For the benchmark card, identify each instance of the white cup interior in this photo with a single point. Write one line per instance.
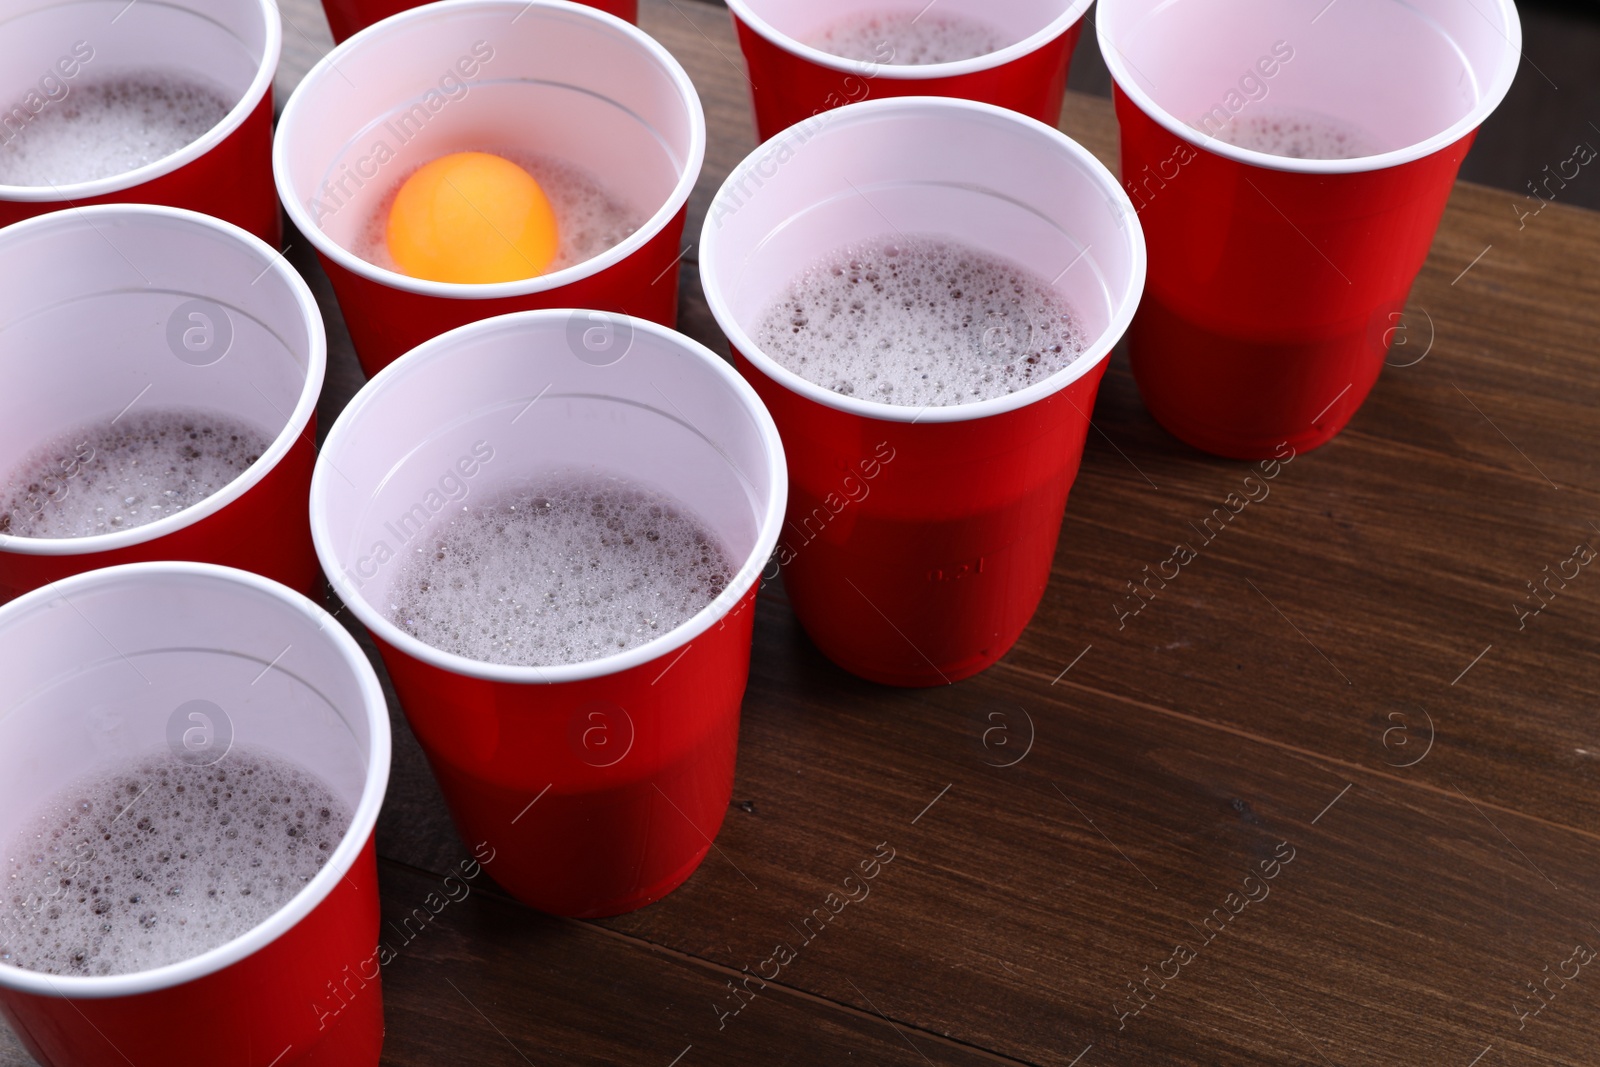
(95, 299)
(997, 181)
(667, 415)
(229, 45)
(801, 22)
(578, 85)
(102, 668)
(1398, 73)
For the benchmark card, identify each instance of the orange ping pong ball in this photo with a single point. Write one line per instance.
(472, 217)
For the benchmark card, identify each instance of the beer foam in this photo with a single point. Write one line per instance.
(589, 219)
(162, 860)
(562, 569)
(920, 321)
(108, 476)
(1299, 135)
(907, 38)
(104, 128)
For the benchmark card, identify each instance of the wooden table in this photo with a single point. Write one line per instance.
(1341, 677)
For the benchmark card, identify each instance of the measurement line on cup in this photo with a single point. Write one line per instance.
(702, 833)
(1474, 263)
(531, 803)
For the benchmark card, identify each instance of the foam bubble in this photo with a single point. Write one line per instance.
(588, 218)
(160, 861)
(920, 321)
(104, 128)
(105, 476)
(564, 569)
(1299, 135)
(906, 38)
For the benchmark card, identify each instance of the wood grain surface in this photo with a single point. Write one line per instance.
(1338, 690)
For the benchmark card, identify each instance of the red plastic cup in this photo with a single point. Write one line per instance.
(598, 786)
(552, 77)
(791, 80)
(108, 666)
(119, 308)
(48, 50)
(1276, 283)
(919, 542)
(346, 18)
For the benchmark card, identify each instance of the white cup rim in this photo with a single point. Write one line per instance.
(445, 9)
(1074, 10)
(1093, 355)
(344, 855)
(324, 482)
(260, 85)
(1121, 73)
(299, 418)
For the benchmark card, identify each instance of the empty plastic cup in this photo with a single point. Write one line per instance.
(1290, 163)
(919, 540)
(205, 665)
(1023, 66)
(549, 78)
(119, 312)
(56, 56)
(598, 785)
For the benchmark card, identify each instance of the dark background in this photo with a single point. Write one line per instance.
(1549, 110)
